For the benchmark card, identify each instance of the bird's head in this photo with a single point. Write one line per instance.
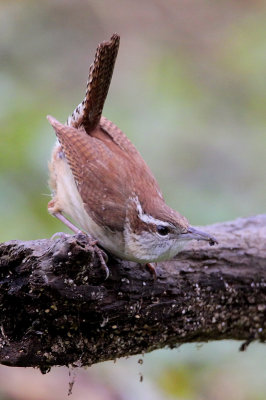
(158, 235)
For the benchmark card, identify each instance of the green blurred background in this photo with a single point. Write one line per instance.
(189, 90)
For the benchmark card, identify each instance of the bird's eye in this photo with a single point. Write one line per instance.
(162, 230)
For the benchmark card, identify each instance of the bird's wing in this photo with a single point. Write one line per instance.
(143, 183)
(117, 136)
(102, 177)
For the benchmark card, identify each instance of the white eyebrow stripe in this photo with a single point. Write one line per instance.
(146, 217)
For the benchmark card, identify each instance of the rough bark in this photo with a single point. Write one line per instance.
(56, 309)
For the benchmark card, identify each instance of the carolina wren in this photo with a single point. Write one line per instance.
(101, 182)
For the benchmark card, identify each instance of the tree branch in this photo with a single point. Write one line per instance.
(56, 309)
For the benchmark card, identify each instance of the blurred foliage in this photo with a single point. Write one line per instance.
(189, 90)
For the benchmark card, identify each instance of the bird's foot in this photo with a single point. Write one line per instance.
(60, 235)
(103, 258)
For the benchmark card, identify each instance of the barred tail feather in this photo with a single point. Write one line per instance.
(89, 111)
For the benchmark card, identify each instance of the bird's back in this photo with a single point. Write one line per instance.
(112, 171)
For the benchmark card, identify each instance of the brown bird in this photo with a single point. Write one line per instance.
(101, 182)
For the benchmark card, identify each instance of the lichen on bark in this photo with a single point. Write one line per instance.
(57, 309)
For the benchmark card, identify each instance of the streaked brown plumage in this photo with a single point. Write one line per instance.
(100, 180)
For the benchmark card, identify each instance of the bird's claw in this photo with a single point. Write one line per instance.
(60, 235)
(103, 260)
(151, 268)
(93, 243)
(100, 253)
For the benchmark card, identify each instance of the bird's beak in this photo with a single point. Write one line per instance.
(196, 234)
